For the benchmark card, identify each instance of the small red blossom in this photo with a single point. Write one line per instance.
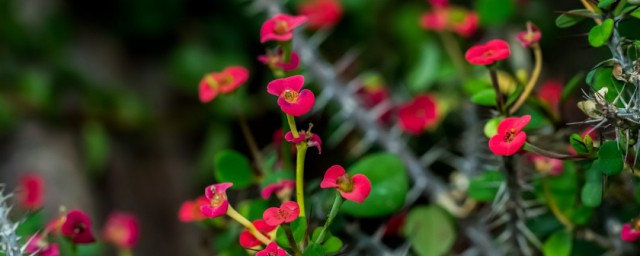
(487, 54)
(247, 240)
(439, 3)
(529, 37)
(418, 114)
(280, 27)
(550, 93)
(223, 82)
(276, 61)
(122, 229)
(355, 188)
(292, 100)
(631, 232)
(467, 25)
(217, 196)
(31, 191)
(321, 13)
(272, 250)
(546, 165)
(450, 18)
(77, 226)
(281, 188)
(510, 137)
(288, 212)
(38, 246)
(190, 210)
(313, 140)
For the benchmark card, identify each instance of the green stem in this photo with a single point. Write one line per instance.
(537, 54)
(286, 51)
(536, 150)
(453, 49)
(496, 87)
(74, 249)
(251, 142)
(332, 214)
(125, 252)
(292, 241)
(247, 224)
(302, 151)
(292, 126)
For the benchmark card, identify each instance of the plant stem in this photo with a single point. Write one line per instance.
(590, 8)
(453, 49)
(247, 224)
(302, 151)
(74, 249)
(286, 51)
(554, 206)
(496, 87)
(251, 142)
(125, 252)
(536, 150)
(537, 53)
(332, 214)
(292, 241)
(292, 126)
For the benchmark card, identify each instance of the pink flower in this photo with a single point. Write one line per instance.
(247, 240)
(312, 140)
(280, 27)
(546, 165)
(223, 82)
(272, 250)
(122, 229)
(529, 37)
(282, 188)
(550, 93)
(450, 18)
(217, 196)
(630, 233)
(190, 210)
(435, 20)
(355, 188)
(288, 212)
(77, 226)
(39, 246)
(439, 3)
(321, 13)
(418, 114)
(31, 191)
(510, 137)
(487, 54)
(276, 61)
(467, 25)
(291, 99)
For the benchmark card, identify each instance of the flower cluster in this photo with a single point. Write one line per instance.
(445, 17)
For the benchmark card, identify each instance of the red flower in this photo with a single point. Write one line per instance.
(487, 54)
(312, 140)
(550, 93)
(292, 101)
(450, 18)
(122, 229)
(217, 196)
(280, 27)
(288, 212)
(546, 165)
(467, 25)
(282, 188)
(435, 20)
(276, 61)
(510, 137)
(272, 250)
(247, 240)
(190, 210)
(630, 233)
(321, 13)
(223, 82)
(39, 246)
(77, 226)
(355, 188)
(418, 114)
(529, 37)
(31, 191)
(439, 3)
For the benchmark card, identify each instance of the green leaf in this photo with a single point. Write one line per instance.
(96, 147)
(609, 160)
(231, 166)
(473, 86)
(253, 209)
(572, 17)
(599, 34)
(564, 188)
(578, 144)
(425, 71)
(592, 189)
(606, 3)
(430, 231)
(494, 12)
(389, 185)
(491, 127)
(484, 188)
(314, 250)
(486, 97)
(298, 228)
(559, 244)
(331, 244)
(573, 83)
(636, 13)
(602, 77)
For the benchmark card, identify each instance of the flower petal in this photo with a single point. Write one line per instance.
(305, 102)
(278, 86)
(239, 76)
(361, 189)
(289, 137)
(330, 179)
(206, 92)
(499, 146)
(628, 234)
(292, 208)
(214, 212)
(271, 216)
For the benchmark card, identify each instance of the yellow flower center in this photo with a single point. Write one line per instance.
(281, 27)
(290, 96)
(345, 183)
(510, 135)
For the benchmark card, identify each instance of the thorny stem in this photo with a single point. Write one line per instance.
(537, 53)
(513, 190)
(554, 206)
(453, 49)
(290, 239)
(247, 224)
(496, 87)
(538, 151)
(251, 142)
(332, 215)
(590, 8)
